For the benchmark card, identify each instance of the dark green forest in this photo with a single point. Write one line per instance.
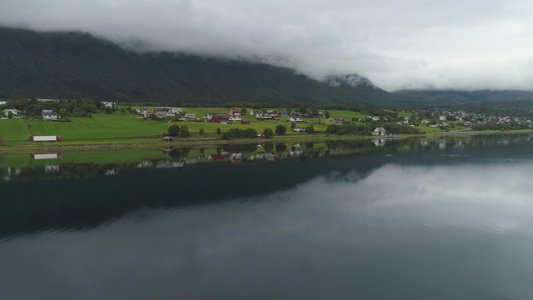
(69, 65)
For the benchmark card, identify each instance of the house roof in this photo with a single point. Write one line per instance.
(220, 116)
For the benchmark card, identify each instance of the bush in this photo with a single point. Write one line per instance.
(280, 147)
(184, 131)
(268, 133)
(281, 130)
(310, 129)
(268, 147)
(173, 130)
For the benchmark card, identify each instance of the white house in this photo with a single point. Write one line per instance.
(161, 114)
(176, 110)
(263, 116)
(442, 118)
(110, 104)
(379, 131)
(141, 110)
(3, 102)
(49, 115)
(147, 113)
(190, 117)
(12, 110)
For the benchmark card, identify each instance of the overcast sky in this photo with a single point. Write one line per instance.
(415, 44)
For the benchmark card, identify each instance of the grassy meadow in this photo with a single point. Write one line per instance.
(14, 130)
(100, 126)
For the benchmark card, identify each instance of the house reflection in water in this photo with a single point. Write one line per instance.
(379, 142)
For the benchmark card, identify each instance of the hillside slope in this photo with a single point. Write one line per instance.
(74, 65)
(455, 97)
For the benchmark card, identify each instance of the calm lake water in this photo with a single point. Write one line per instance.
(448, 218)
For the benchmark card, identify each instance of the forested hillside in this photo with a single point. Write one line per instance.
(77, 65)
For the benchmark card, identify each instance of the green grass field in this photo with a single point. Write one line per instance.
(14, 130)
(100, 126)
(347, 115)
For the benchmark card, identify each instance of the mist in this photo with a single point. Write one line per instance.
(468, 45)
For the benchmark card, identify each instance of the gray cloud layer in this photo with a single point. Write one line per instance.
(468, 44)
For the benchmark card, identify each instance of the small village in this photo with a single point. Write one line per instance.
(383, 122)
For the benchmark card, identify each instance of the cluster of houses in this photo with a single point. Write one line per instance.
(234, 115)
(165, 112)
(48, 114)
(470, 118)
(295, 116)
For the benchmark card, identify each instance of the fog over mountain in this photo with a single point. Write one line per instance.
(469, 44)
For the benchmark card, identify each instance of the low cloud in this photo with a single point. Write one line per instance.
(468, 44)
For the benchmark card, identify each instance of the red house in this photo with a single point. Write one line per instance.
(235, 112)
(319, 115)
(272, 113)
(217, 118)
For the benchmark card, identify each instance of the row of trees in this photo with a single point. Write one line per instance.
(236, 133)
(183, 131)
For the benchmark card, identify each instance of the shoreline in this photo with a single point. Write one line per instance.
(156, 144)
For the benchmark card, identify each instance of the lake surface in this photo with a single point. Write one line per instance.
(446, 218)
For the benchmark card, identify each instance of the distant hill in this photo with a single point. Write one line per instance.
(454, 97)
(75, 65)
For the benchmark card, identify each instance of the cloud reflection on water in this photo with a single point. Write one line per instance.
(418, 224)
